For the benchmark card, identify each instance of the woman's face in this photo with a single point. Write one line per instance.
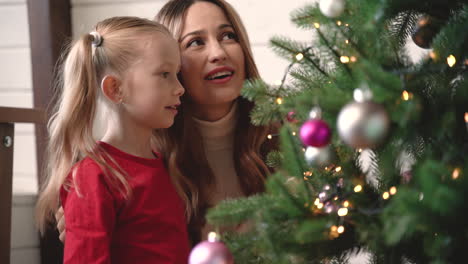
(213, 68)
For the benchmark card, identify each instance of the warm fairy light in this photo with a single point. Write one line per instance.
(405, 95)
(353, 59)
(269, 136)
(342, 211)
(340, 229)
(433, 55)
(279, 100)
(303, 149)
(456, 173)
(317, 201)
(316, 25)
(393, 190)
(358, 188)
(359, 150)
(212, 237)
(338, 169)
(346, 41)
(451, 60)
(346, 204)
(466, 117)
(466, 62)
(307, 173)
(299, 56)
(344, 59)
(293, 133)
(333, 228)
(338, 23)
(336, 198)
(385, 195)
(347, 24)
(320, 205)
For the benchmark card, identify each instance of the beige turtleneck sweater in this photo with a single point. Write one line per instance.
(218, 141)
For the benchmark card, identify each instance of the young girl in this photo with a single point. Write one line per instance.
(118, 198)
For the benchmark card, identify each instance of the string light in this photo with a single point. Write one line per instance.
(357, 188)
(347, 25)
(279, 100)
(336, 198)
(299, 56)
(269, 136)
(338, 23)
(342, 211)
(353, 59)
(393, 190)
(405, 95)
(456, 173)
(340, 229)
(466, 117)
(293, 133)
(316, 25)
(320, 205)
(385, 195)
(317, 201)
(344, 59)
(359, 150)
(338, 169)
(307, 173)
(346, 41)
(451, 60)
(333, 228)
(433, 55)
(345, 203)
(421, 196)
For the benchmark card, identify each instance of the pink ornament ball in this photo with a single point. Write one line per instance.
(211, 253)
(291, 117)
(315, 133)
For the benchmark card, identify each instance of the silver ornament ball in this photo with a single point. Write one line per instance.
(363, 125)
(319, 157)
(332, 8)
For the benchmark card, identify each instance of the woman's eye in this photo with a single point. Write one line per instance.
(194, 43)
(165, 74)
(229, 35)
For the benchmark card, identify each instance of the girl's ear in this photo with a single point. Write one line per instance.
(110, 86)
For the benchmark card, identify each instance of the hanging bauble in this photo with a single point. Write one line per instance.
(291, 117)
(332, 8)
(320, 157)
(426, 29)
(211, 252)
(363, 124)
(315, 133)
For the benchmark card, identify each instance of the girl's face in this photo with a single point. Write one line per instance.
(150, 85)
(213, 68)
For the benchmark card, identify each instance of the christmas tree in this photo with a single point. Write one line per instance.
(373, 145)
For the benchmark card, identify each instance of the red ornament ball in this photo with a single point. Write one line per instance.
(291, 117)
(207, 252)
(315, 133)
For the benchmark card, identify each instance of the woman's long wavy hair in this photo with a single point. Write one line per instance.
(182, 143)
(78, 94)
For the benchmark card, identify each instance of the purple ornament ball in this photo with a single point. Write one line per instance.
(211, 253)
(315, 133)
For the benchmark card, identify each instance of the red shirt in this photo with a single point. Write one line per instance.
(103, 227)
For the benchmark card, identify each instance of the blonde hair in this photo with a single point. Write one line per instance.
(182, 144)
(70, 127)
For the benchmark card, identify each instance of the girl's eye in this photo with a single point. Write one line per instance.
(229, 35)
(165, 74)
(194, 43)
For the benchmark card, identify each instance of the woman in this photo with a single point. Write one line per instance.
(213, 152)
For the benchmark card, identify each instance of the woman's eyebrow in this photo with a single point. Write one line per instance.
(199, 32)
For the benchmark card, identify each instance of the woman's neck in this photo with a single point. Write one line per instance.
(211, 112)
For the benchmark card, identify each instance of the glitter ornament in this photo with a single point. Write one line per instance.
(332, 8)
(315, 133)
(211, 252)
(363, 125)
(291, 117)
